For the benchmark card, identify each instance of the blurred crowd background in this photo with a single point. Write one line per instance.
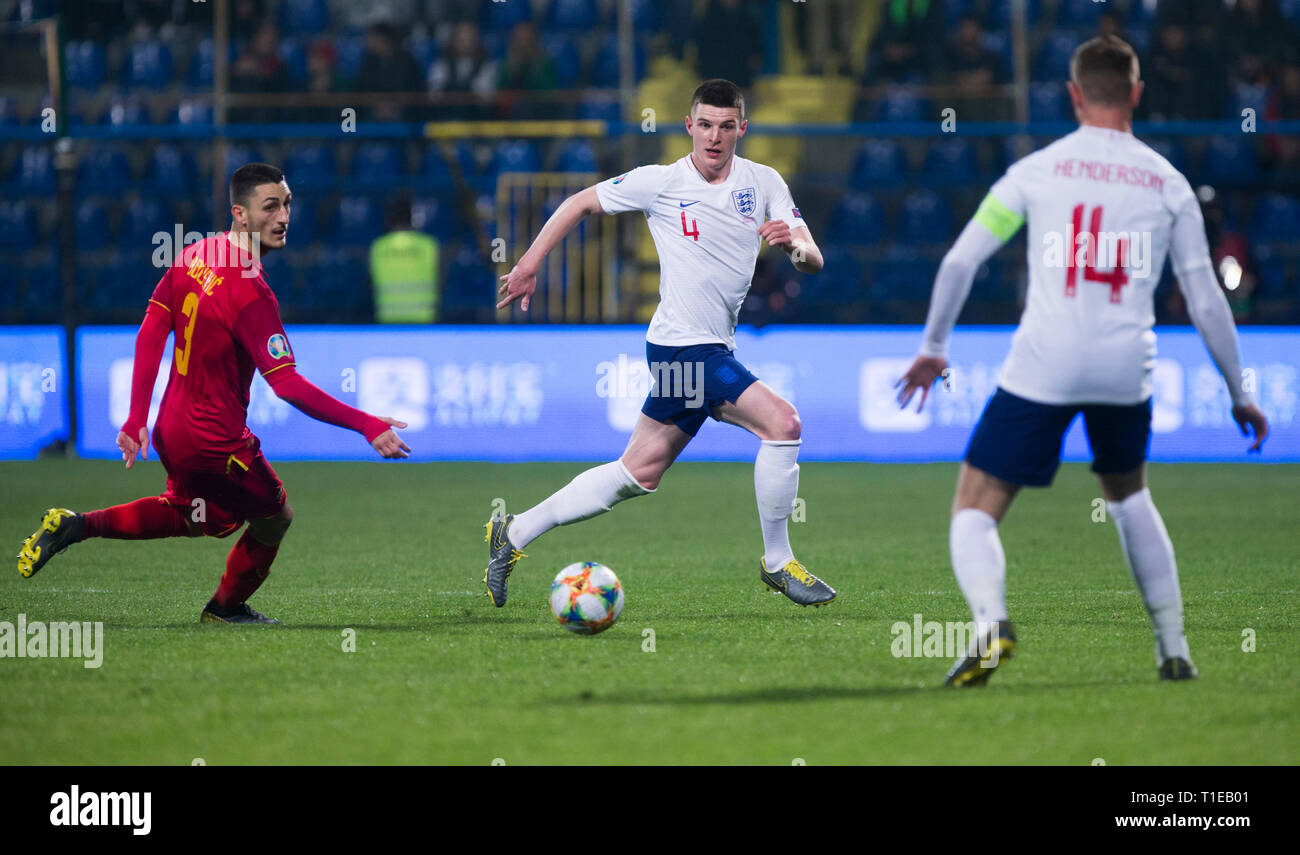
(884, 191)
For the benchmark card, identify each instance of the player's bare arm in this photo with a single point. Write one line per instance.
(521, 281)
(796, 243)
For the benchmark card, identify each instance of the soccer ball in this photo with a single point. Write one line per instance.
(586, 597)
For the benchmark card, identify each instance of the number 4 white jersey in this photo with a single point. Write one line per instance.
(1103, 211)
(707, 239)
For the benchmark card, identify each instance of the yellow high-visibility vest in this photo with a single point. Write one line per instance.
(404, 272)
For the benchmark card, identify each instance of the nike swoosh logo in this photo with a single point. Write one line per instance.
(688, 204)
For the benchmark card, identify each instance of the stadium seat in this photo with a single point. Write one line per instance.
(202, 65)
(1142, 11)
(17, 224)
(564, 54)
(1276, 217)
(145, 217)
(351, 48)
(925, 218)
(605, 68)
(901, 105)
(515, 156)
(1230, 159)
(127, 111)
(294, 56)
(191, 111)
(148, 65)
(858, 220)
(434, 170)
(1080, 14)
(577, 156)
(103, 171)
(310, 165)
(92, 226)
(469, 289)
(169, 172)
(1048, 102)
(302, 222)
(573, 14)
(1290, 10)
(998, 43)
(880, 163)
(999, 16)
(502, 16)
(1053, 63)
(237, 156)
(605, 111)
(433, 215)
(379, 163)
(85, 64)
(1171, 150)
(304, 17)
(951, 161)
(43, 301)
(424, 51)
(904, 275)
(33, 171)
(645, 15)
(1248, 95)
(340, 286)
(840, 282)
(358, 222)
(1275, 278)
(8, 112)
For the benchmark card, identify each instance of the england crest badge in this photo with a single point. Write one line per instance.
(745, 201)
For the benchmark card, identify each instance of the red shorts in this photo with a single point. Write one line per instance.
(221, 500)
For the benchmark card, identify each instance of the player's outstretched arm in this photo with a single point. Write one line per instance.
(796, 243)
(292, 387)
(521, 281)
(952, 286)
(133, 438)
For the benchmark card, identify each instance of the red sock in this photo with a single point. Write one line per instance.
(246, 569)
(142, 519)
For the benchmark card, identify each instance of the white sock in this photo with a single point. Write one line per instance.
(979, 563)
(589, 494)
(1150, 557)
(776, 484)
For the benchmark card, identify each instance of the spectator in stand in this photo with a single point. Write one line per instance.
(729, 41)
(1284, 104)
(465, 71)
(246, 16)
(909, 45)
(528, 68)
(1258, 38)
(386, 67)
(971, 70)
(259, 69)
(1176, 83)
(320, 81)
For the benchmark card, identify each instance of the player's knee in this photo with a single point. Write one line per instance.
(788, 426)
(272, 529)
(646, 473)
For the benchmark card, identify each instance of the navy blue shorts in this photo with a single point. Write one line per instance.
(1020, 441)
(689, 381)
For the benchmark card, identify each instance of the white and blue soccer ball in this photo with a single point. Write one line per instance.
(586, 597)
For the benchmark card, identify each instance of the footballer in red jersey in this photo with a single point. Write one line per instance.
(226, 321)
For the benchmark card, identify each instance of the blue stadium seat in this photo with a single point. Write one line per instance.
(434, 169)
(1081, 14)
(169, 172)
(145, 217)
(310, 165)
(43, 302)
(1290, 10)
(33, 171)
(925, 218)
(578, 156)
(302, 222)
(358, 222)
(85, 64)
(1248, 95)
(294, 56)
(605, 111)
(573, 14)
(1048, 102)
(1230, 159)
(1053, 62)
(645, 15)
(379, 163)
(564, 54)
(424, 51)
(127, 111)
(999, 16)
(1142, 11)
(304, 17)
(192, 111)
(103, 171)
(8, 112)
(605, 68)
(840, 281)
(340, 284)
(858, 220)
(237, 156)
(904, 275)
(998, 43)
(148, 65)
(901, 105)
(1171, 150)
(951, 160)
(17, 224)
(1276, 217)
(470, 286)
(515, 156)
(351, 49)
(502, 16)
(92, 226)
(203, 63)
(1275, 279)
(880, 163)
(434, 215)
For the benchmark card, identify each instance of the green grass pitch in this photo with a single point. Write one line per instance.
(738, 675)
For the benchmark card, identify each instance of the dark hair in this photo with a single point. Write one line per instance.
(249, 176)
(1105, 68)
(719, 93)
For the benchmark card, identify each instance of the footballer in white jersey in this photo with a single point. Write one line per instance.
(709, 214)
(1103, 211)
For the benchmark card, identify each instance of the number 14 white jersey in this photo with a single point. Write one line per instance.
(1103, 211)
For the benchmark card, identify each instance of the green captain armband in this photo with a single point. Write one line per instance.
(998, 218)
